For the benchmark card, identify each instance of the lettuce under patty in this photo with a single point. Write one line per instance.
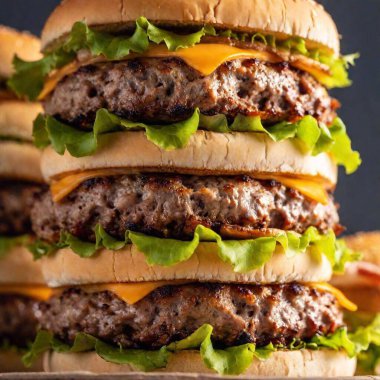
(7, 243)
(229, 361)
(29, 77)
(242, 255)
(312, 137)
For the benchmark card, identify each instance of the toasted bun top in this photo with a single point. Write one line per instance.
(12, 42)
(207, 153)
(302, 18)
(65, 268)
(300, 363)
(16, 118)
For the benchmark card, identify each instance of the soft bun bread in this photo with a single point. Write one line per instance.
(17, 267)
(10, 361)
(303, 363)
(20, 161)
(65, 268)
(16, 118)
(207, 153)
(12, 42)
(284, 18)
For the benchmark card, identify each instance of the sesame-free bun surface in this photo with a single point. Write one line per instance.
(20, 161)
(207, 153)
(16, 118)
(65, 268)
(284, 18)
(302, 363)
(17, 267)
(12, 42)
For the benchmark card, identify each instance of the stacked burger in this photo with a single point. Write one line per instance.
(191, 150)
(21, 281)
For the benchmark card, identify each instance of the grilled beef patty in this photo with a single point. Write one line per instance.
(167, 90)
(239, 314)
(16, 200)
(172, 206)
(18, 322)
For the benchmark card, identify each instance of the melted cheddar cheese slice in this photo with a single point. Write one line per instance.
(315, 190)
(134, 292)
(341, 298)
(205, 58)
(37, 292)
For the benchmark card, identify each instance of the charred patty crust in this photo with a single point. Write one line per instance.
(164, 90)
(173, 205)
(239, 314)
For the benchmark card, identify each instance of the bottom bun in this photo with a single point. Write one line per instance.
(18, 267)
(303, 363)
(10, 361)
(65, 268)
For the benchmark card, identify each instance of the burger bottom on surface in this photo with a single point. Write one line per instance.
(18, 323)
(173, 205)
(260, 314)
(16, 201)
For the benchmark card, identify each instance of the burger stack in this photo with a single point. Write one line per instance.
(191, 150)
(21, 281)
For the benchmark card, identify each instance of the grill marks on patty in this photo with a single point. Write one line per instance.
(239, 314)
(18, 321)
(173, 205)
(16, 201)
(167, 90)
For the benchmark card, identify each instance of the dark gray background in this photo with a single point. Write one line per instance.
(358, 22)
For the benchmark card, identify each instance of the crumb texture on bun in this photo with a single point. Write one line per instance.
(16, 118)
(65, 268)
(17, 267)
(302, 363)
(12, 42)
(20, 161)
(302, 18)
(207, 153)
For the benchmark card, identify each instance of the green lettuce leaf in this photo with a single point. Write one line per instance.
(367, 342)
(229, 361)
(311, 137)
(7, 243)
(242, 255)
(29, 77)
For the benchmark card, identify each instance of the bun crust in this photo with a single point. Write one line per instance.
(366, 298)
(284, 18)
(18, 267)
(303, 363)
(12, 42)
(10, 361)
(207, 153)
(20, 161)
(16, 118)
(65, 268)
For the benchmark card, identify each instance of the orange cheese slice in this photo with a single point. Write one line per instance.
(38, 292)
(342, 299)
(205, 58)
(131, 292)
(134, 292)
(313, 189)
